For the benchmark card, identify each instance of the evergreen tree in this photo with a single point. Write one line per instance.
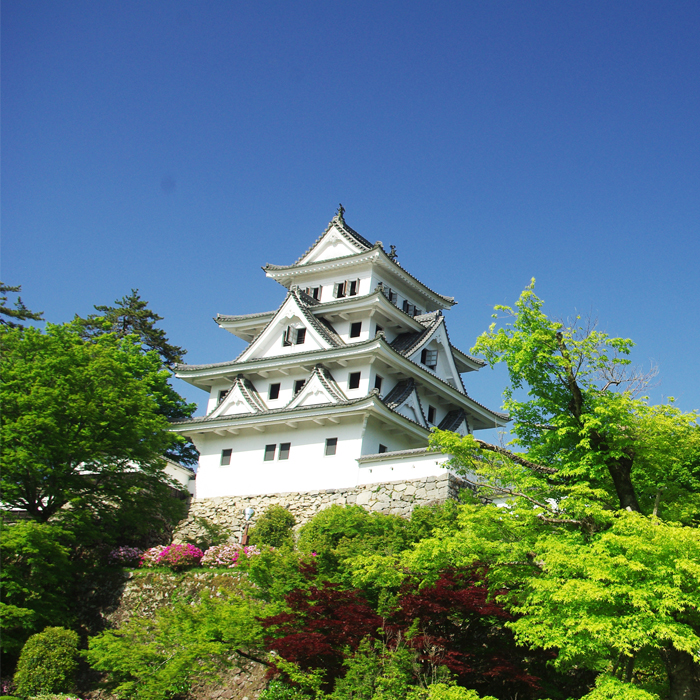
(131, 315)
(20, 311)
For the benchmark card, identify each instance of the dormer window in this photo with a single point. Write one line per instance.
(429, 358)
(293, 336)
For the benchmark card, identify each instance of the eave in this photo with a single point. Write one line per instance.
(287, 275)
(205, 376)
(321, 414)
(464, 362)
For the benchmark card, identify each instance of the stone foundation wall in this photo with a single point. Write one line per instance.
(398, 497)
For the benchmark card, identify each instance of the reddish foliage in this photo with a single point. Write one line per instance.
(453, 623)
(460, 627)
(325, 621)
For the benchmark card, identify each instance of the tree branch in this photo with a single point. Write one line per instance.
(539, 468)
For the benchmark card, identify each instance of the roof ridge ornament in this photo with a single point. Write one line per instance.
(340, 214)
(392, 253)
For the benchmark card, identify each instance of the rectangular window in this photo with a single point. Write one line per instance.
(378, 330)
(429, 358)
(298, 385)
(274, 392)
(226, 457)
(270, 452)
(354, 380)
(222, 394)
(378, 383)
(314, 292)
(331, 444)
(339, 290)
(355, 329)
(431, 415)
(353, 287)
(287, 337)
(392, 295)
(301, 336)
(382, 449)
(284, 450)
(409, 308)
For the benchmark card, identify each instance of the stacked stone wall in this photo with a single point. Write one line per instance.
(397, 497)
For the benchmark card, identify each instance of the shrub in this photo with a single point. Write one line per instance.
(125, 556)
(178, 556)
(227, 555)
(151, 557)
(48, 662)
(274, 527)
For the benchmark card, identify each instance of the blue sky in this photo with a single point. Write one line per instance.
(177, 146)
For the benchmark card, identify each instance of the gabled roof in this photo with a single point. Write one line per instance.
(320, 380)
(453, 420)
(401, 395)
(324, 329)
(349, 233)
(244, 390)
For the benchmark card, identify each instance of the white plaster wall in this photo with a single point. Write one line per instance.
(327, 280)
(376, 434)
(306, 469)
(405, 468)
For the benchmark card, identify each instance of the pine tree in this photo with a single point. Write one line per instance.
(20, 312)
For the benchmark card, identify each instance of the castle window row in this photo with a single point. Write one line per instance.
(347, 288)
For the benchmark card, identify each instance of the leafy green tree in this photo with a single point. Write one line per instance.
(37, 581)
(48, 663)
(274, 528)
(130, 316)
(190, 640)
(572, 537)
(10, 316)
(80, 421)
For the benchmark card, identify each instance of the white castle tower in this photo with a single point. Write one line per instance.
(338, 387)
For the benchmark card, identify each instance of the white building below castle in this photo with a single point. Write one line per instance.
(338, 387)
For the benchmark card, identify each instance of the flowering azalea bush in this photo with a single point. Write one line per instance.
(151, 557)
(125, 556)
(227, 555)
(179, 555)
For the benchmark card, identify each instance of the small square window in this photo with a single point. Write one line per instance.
(331, 444)
(431, 415)
(274, 391)
(222, 394)
(339, 290)
(298, 385)
(354, 380)
(226, 457)
(284, 450)
(301, 336)
(429, 358)
(270, 452)
(355, 329)
(378, 330)
(378, 382)
(353, 288)
(382, 449)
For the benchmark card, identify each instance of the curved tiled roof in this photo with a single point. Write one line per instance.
(349, 233)
(453, 420)
(239, 317)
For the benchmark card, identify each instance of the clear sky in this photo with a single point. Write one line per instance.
(175, 147)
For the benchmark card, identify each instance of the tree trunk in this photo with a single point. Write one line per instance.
(683, 674)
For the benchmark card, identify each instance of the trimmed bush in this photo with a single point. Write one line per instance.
(179, 556)
(227, 555)
(48, 662)
(273, 528)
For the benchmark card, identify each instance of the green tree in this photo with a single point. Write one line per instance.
(606, 586)
(10, 316)
(37, 581)
(80, 421)
(131, 317)
(274, 528)
(48, 663)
